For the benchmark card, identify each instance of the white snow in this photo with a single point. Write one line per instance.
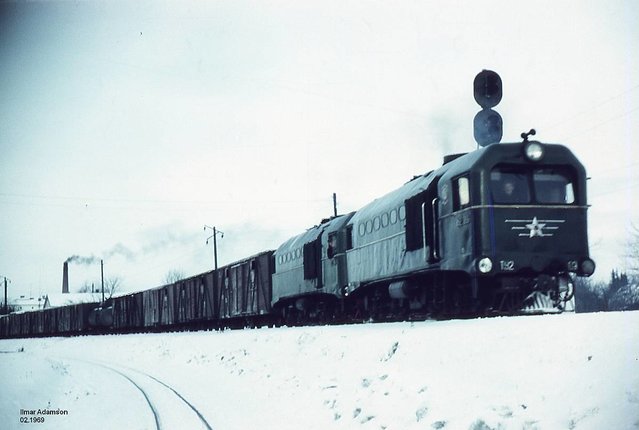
(570, 371)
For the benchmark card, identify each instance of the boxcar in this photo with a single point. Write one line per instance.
(128, 312)
(25, 323)
(46, 322)
(4, 326)
(62, 320)
(79, 317)
(244, 288)
(151, 304)
(71, 319)
(159, 306)
(195, 300)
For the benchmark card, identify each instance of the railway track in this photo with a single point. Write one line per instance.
(170, 409)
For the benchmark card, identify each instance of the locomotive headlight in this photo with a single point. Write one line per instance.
(588, 267)
(534, 151)
(485, 265)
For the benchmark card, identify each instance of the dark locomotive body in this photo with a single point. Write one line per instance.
(500, 229)
(310, 272)
(521, 229)
(454, 242)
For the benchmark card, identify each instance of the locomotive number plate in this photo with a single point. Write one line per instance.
(507, 265)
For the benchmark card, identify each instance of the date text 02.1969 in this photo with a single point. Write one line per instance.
(37, 416)
(31, 420)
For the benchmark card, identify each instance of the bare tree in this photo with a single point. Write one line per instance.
(588, 295)
(87, 288)
(632, 250)
(620, 293)
(173, 276)
(111, 286)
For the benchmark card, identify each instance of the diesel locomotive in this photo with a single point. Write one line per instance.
(498, 230)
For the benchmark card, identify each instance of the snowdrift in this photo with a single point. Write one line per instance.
(571, 371)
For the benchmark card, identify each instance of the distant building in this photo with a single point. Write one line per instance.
(58, 299)
(24, 304)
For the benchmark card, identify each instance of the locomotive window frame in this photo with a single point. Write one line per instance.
(377, 222)
(530, 185)
(510, 185)
(369, 226)
(393, 216)
(559, 186)
(331, 245)
(361, 229)
(461, 195)
(385, 219)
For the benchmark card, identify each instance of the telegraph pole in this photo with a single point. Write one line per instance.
(6, 305)
(214, 237)
(215, 248)
(102, 276)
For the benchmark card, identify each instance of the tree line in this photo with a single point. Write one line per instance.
(621, 292)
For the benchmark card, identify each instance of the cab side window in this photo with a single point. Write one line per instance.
(461, 194)
(331, 247)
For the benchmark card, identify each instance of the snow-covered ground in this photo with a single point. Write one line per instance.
(538, 372)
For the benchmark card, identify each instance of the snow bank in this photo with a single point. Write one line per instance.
(538, 372)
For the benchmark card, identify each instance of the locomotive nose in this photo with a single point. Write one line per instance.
(538, 264)
(546, 264)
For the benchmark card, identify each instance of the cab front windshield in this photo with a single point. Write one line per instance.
(511, 185)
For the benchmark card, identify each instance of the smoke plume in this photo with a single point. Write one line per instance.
(79, 259)
(157, 243)
(118, 249)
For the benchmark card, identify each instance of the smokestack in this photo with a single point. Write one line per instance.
(65, 278)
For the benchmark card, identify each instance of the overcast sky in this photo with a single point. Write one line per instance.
(125, 127)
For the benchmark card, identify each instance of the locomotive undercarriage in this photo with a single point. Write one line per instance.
(541, 293)
(432, 296)
(455, 294)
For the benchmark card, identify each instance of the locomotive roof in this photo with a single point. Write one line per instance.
(513, 152)
(477, 159)
(396, 197)
(312, 233)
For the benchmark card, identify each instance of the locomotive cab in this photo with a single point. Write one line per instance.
(310, 271)
(513, 217)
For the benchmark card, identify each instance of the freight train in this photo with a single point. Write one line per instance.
(497, 230)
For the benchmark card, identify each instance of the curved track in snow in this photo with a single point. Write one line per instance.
(171, 410)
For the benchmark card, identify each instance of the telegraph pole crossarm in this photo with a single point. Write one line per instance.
(214, 237)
